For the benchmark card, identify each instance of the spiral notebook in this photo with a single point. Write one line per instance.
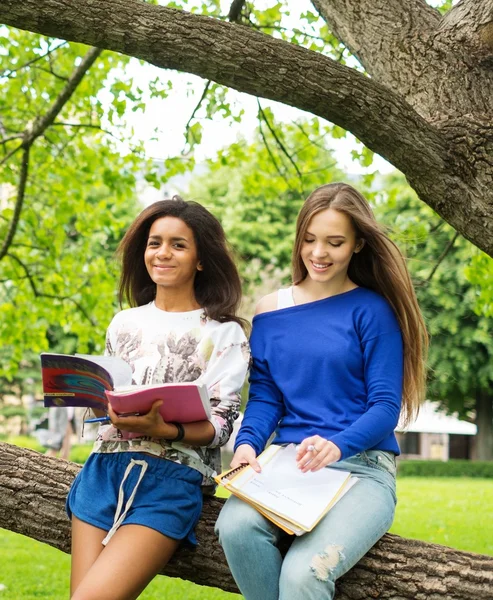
(293, 500)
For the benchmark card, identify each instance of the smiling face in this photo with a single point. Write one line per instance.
(171, 254)
(328, 246)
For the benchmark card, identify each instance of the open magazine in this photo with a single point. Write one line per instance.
(90, 381)
(293, 500)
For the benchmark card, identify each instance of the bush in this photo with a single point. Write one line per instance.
(80, 453)
(25, 441)
(451, 468)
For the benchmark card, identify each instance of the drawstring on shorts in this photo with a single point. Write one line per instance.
(119, 515)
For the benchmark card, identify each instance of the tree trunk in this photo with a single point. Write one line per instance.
(484, 422)
(33, 488)
(427, 107)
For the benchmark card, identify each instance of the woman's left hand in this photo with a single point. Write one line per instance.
(150, 424)
(315, 453)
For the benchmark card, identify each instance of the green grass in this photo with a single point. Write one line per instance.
(32, 570)
(453, 512)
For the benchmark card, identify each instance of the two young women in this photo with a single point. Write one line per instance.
(333, 357)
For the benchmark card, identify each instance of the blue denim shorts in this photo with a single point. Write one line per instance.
(168, 498)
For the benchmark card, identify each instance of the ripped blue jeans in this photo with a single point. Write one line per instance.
(315, 560)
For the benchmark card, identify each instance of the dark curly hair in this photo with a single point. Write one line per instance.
(217, 286)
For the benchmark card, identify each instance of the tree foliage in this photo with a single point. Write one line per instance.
(66, 195)
(419, 93)
(256, 189)
(449, 276)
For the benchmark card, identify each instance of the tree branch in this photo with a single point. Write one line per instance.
(21, 190)
(84, 126)
(235, 9)
(471, 23)
(271, 155)
(280, 144)
(441, 258)
(375, 31)
(48, 118)
(398, 42)
(198, 105)
(441, 169)
(245, 60)
(52, 72)
(35, 130)
(9, 138)
(10, 72)
(33, 489)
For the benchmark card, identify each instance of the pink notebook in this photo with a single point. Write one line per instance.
(182, 402)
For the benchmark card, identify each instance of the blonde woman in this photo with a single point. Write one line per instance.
(337, 358)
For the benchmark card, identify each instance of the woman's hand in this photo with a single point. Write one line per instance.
(245, 454)
(315, 453)
(150, 424)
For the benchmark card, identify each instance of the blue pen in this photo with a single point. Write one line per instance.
(98, 420)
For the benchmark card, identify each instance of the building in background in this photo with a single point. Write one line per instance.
(437, 436)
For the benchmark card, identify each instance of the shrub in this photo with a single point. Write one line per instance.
(451, 468)
(80, 453)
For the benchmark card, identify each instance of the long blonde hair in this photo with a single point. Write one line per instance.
(379, 266)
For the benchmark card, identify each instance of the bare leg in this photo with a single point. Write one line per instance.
(133, 556)
(86, 547)
(67, 442)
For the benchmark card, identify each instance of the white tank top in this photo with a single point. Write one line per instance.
(285, 298)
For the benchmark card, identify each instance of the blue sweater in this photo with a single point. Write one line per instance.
(332, 367)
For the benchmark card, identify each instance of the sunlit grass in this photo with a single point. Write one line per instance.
(454, 512)
(31, 570)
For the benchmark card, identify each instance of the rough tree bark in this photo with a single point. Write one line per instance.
(484, 421)
(33, 488)
(427, 108)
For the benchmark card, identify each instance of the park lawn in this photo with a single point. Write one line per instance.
(453, 512)
(31, 570)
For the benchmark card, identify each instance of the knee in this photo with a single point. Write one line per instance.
(228, 523)
(311, 577)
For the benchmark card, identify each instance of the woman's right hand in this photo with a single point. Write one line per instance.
(245, 454)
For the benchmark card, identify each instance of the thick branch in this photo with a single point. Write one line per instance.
(245, 60)
(32, 497)
(471, 23)
(399, 43)
(450, 181)
(374, 30)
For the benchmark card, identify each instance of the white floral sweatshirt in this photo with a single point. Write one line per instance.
(164, 347)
